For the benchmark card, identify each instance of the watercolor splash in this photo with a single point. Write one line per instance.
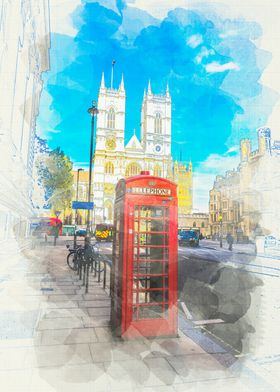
(213, 67)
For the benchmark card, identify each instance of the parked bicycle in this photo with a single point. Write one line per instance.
(79, 257)
(72, 258)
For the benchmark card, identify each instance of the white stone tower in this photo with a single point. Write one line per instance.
(156, 124)
(111, 116)
(109, 148)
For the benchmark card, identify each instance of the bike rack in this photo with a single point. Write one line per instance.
(89, 260)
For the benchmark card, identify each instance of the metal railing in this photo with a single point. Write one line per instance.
(90, 260)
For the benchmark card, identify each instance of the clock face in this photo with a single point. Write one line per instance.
(110, 143)
(158, 148)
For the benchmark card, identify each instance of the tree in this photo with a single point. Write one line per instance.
(41, 151)
(55, 174)
(41, 145)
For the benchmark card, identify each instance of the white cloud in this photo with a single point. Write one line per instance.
(220, 163)
(202, 183)
(204, 53)
(266, 13)
(216, 67)
(233, 149)
(205, 173)
(60, 15)
(194, 40)
(83, 165)
(229, 33)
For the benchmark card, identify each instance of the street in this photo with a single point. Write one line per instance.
(229, 294)
(216, 286)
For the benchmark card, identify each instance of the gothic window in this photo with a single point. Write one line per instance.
(109, 168)
(157, 171)
(194, 224)
(133, 169)
(158, 123)
(111, 118)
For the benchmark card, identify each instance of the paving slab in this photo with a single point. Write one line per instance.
(68, 336)
(71, 378)
(132, 374)
(57, 355)
(198, 367)
(60, 305)
(96, 321)
(59, 313)
(99, 311)
(65, 297)
(71, 346)
(94, 304)
(104, 334)
(162, 369)
(60, 323)
(174, 346)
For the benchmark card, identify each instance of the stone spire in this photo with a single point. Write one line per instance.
(167, 91)
(149, 88)
(121, 88)
(102, 85)
(145, 93)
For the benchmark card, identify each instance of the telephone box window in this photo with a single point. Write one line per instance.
(151, 257)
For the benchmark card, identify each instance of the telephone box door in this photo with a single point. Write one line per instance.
(151, 264)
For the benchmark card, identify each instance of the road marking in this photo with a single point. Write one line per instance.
(185, 257)
(186, 311)
(211, 321)
(256, 265)
(269, 359)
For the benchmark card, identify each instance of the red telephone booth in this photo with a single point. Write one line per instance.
(144, 269)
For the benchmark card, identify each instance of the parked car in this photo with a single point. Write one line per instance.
(81, 232)
(42, 232)
(104, 232)
(271, 241)
(188, 237)
(68, 230)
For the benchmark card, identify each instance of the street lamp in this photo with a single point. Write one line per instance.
(93, 112)
(77, 199)
(220, 219)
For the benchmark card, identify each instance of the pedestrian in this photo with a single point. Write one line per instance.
(229, 239)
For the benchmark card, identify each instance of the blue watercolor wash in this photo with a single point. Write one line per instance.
(211, 110)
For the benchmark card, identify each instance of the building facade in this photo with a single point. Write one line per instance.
(24, 55)
(244, 201)
(81, 194)
(114, 159)
(224, 206)
(198, 220)
(182, 175)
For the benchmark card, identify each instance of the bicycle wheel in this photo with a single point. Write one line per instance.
(99, 263)
(72, 260)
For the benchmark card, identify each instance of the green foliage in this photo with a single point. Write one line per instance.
(55, 174)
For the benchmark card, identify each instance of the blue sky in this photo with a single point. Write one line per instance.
(213, 66)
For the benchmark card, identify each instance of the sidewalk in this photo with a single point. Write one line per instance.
(237, 248)
(53, 337)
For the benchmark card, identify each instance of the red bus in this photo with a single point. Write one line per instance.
(47, 226)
